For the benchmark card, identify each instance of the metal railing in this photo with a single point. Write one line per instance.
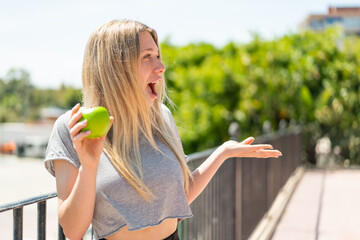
(17, 209)
(230, 206)
(242, 190)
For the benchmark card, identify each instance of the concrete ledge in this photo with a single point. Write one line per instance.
(268, 223)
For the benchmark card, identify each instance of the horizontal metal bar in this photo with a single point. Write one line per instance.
(260, 139)
(28, 201)
(200, 155)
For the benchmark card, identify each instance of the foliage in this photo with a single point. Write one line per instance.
(20, 101)
(312, 78)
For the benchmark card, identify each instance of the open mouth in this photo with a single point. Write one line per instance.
(151, 89)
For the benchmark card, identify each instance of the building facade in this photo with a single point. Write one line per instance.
(347, 17)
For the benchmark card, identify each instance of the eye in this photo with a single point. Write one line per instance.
(147, 56)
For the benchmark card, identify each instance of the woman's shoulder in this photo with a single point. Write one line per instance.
(166, 113)
(165, 109)
(63, 120)
(60, 144)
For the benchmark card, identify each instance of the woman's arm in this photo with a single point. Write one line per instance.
(204, 173)
(76, 188)
(76, 197)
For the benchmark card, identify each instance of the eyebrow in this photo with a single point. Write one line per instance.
(149, 49)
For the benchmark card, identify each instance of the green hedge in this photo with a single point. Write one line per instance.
(312, 78)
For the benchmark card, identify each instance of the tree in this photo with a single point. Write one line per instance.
(20, 101)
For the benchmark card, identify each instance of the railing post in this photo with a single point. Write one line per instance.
(282, 125)
(41, 218)
(234, 133)
(266, 127)
(238, 198)
(18, 223)
(17, 208)
(61, 235)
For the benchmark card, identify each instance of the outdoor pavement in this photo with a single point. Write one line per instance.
(324, 206)
(23, 178)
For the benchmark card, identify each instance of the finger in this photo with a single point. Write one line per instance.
(111, 121)
(262, 146)
(75, 109)
(268, 153)
(77, 128)
(248, 141)
(75, 119)
(81, 136)
(278, 152)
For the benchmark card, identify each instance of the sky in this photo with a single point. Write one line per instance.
(48, 38)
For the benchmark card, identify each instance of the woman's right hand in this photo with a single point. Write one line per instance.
(88, 150)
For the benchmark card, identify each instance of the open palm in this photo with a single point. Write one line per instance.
(245, 149)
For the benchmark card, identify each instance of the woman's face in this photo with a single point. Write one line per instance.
(151, 68)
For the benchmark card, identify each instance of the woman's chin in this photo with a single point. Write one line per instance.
(151, 98)
(150, 102)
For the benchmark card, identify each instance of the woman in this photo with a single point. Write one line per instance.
(134, 183)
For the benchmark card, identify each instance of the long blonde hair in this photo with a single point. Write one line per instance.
(110, 78)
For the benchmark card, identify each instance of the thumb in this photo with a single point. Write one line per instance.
(248, 141)
(111, 121)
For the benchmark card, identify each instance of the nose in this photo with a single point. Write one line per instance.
(160, 68)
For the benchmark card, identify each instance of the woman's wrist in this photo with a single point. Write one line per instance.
(221, 153)
(225, 150)
(88, 168)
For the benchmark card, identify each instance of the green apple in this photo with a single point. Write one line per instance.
(98, 121)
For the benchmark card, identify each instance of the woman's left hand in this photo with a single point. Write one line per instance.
(203, 174)
(245, 149)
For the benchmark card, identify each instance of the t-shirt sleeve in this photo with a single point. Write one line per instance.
(168, 115)
(60, 145)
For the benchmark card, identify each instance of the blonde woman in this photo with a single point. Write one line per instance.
(134, 183)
